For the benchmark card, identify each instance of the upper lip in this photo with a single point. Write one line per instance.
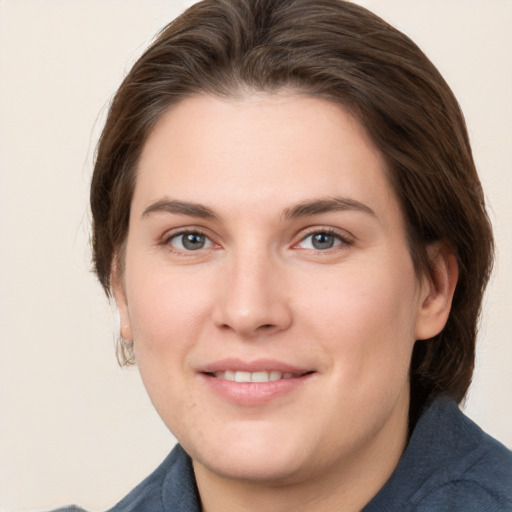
(258, 365)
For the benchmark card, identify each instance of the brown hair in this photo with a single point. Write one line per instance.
(338, 51)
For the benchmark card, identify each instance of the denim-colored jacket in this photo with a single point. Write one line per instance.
(449, 465)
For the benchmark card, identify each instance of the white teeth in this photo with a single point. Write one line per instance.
(242, 377)
(263, 376)
(260, 377)
(275, 375)
(229, 375)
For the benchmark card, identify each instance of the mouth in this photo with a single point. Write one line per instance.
(259, 376)
(254, 383)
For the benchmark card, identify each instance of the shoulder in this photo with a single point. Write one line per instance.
(71, 508)
(451, 465)
(468, 470)
(172, 483)
(465, 495)
(480, 480)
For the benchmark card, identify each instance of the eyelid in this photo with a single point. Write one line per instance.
(174, 233)
(182, 231)
(345, 238)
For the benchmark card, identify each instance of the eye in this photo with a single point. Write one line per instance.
(322, 241)
(190, 241)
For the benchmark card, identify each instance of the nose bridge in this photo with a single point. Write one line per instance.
(253, 297)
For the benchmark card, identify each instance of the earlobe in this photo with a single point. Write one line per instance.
(438, 289)
(126, 328)
(118, 289)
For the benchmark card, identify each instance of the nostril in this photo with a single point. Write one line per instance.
(266, 327)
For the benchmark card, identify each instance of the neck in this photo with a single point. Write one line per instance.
(347, 486)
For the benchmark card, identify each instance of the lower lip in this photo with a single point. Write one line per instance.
(254, 393)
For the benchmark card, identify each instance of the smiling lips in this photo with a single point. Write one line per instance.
(261, 376)
(253, 384)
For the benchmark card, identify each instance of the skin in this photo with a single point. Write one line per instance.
(259, 289)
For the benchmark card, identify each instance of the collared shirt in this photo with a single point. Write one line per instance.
(449, 465)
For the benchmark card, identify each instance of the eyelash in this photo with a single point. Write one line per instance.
(184, 252)
(340, 240)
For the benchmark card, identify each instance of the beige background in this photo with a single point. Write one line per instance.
(73, 426)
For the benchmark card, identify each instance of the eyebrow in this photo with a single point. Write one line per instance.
(303, 209)
(181, 208)
(330, 204)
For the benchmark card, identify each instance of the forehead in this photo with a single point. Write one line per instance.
(285, 147)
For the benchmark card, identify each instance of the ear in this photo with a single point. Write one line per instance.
(119, 292)
(437, 291)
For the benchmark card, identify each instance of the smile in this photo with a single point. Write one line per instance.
(256, 383)
(260, 376)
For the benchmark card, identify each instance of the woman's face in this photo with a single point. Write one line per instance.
(266, 245)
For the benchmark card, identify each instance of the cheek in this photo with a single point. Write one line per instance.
(166, 307)
(167, 315)
(365, 319)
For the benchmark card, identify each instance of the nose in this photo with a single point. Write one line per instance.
(253, 297)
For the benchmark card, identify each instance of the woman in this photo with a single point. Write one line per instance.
(286, 210)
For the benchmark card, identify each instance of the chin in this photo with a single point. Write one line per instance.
(265, 456)
(268, 471)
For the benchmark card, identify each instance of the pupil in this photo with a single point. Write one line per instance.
(323, 241)
(193, 241)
